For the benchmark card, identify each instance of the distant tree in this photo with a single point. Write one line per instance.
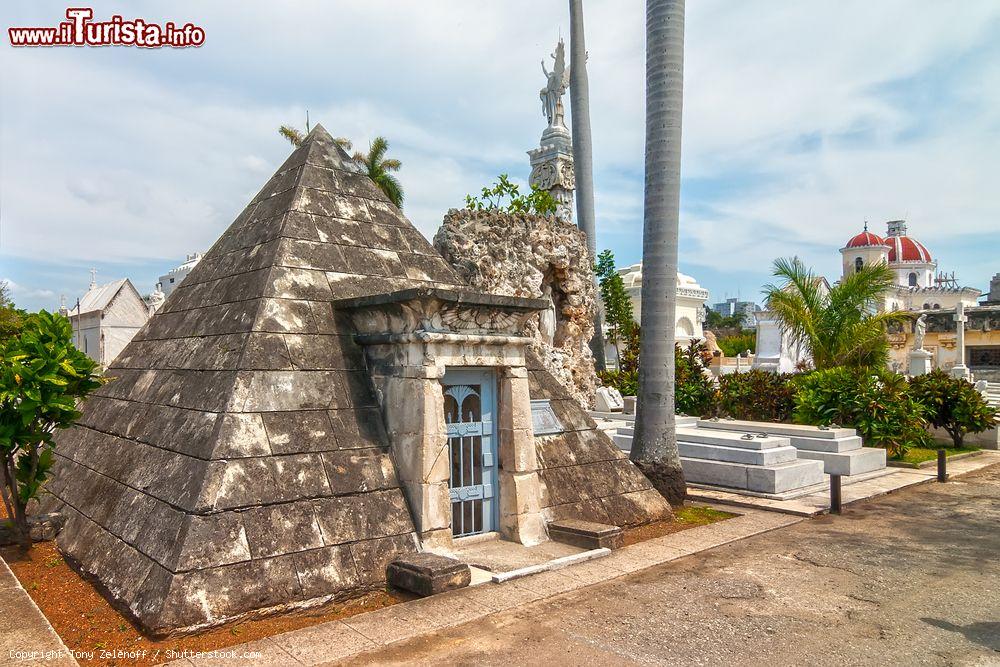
(506, 197)
(618, 312)
(42, 377)
(379, 169)
(10, 317)
(715, 321)
(841, 327)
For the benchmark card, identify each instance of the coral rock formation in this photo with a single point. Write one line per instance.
(538, 257)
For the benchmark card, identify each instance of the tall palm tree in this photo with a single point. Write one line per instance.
(583, 155)
(654, 448)
(839, 326)
(379, 167)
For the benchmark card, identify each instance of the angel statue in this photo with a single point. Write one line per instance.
(558, 81)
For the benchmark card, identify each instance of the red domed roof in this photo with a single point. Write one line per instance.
(865, 239)
(906, 249)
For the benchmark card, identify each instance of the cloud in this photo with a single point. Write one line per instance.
(19, 291)
(800, 121)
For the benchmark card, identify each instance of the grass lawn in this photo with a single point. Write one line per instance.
(700, 516)
(921, 454)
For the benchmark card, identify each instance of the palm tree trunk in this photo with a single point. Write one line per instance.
(654, 448)
(583, 157)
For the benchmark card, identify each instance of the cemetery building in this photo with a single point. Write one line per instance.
(919, 287)
(919, 284)
(322, 394)
(106, 318)
(171, 280)
(691, 298)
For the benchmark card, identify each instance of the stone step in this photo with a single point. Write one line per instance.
(624, 442)
(853, 462)
(730, 439)
(801, 437)
(756, 457)
(777, 429)
(778, 478)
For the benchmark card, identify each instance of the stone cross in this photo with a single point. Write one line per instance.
(960, 369)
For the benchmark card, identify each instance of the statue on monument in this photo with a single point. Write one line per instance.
(557, 83)
(919, 332)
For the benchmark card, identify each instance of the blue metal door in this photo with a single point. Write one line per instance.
(469, 409)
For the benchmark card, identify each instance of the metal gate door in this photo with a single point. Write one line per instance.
(469, 408)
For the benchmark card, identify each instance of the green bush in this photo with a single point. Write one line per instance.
(757, 395)
(734, 345)
(875, 402)
(625, 381)
(42, 377)
(694, 389)
(952, 404)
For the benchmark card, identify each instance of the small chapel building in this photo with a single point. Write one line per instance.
(106, 318)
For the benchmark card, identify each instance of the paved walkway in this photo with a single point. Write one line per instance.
(26, 638)
(819, 502)
(911, 578)
(366, 632)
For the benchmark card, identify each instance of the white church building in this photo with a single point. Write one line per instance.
(919, 286)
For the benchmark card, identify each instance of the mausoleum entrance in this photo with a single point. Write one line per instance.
(470, 418)
(449, 370)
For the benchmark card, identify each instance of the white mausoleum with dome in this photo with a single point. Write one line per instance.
(919, 285)
(691, 298)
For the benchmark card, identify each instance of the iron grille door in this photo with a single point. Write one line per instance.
(469, 408)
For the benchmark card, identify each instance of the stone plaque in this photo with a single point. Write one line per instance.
(543, 419)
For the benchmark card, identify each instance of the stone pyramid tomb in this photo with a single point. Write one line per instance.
(277, 432)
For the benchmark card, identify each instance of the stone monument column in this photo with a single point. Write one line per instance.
(960, 370)
(552, 161)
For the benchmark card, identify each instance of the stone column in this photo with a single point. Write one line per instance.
(520, 494)
(413, 406)
(960, 370)
(552, 169)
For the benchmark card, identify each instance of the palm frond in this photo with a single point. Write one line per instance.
(392, 188)
(344, 143)
(377, 150)
(390, 164)
(293, 135)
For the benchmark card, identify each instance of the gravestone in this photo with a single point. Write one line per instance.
(609, 399)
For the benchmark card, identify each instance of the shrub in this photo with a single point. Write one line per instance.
(952, 404)
(733, 345)
(42, 376)
(625, 381)
(694, 388)
(876, 403)
(757, 395)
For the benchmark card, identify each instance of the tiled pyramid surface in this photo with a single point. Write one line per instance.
(238, 463)
(583, 473)
(238, 460)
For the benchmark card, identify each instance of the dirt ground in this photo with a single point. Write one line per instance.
(912, 578)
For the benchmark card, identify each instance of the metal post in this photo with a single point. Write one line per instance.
(834, 494)
(942, 467)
